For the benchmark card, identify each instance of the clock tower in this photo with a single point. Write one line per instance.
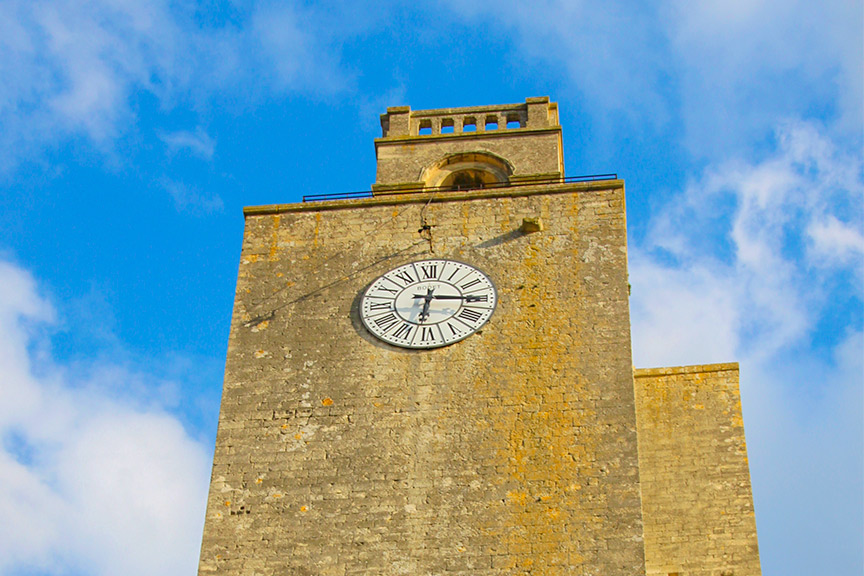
(435, 378)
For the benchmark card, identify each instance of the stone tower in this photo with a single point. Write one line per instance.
(348, 444)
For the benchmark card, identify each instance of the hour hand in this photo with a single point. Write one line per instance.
(424, 314)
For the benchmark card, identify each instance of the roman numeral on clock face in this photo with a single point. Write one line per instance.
(380, 305)
(470, 315)
(429, 271)
(471, 283)
(426, 334)
(403, 331)
(386, 322)
(405, 277)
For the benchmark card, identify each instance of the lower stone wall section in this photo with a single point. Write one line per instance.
(697, 503)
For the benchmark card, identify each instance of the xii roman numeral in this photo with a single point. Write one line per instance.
(429, 271)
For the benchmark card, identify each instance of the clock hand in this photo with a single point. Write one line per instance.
(446, 297)
(427, 300)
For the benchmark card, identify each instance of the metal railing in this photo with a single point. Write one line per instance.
(422, 189)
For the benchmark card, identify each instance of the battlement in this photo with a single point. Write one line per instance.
(534, 113)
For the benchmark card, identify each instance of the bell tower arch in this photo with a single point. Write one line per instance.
(467, 170)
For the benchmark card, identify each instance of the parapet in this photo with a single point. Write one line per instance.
(400, 121)
(485, 144)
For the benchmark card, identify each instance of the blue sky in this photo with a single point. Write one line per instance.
(133, 133)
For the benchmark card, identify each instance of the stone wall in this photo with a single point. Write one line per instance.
(511, 452)
(697, 502)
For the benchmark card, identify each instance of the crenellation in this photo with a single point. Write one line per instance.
(535, 113)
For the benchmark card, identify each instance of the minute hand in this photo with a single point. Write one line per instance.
(446, 297)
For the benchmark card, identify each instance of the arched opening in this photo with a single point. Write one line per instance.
(468, 171)
(468, 180)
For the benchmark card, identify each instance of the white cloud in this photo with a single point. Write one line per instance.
(187, 198)
(682, 316)
(95, 481)
(805, 442)
(295, 47)
(198, 143)
(756, 283)
(835, 241)
(788, 211)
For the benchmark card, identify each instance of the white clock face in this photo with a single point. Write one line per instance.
(428, 304)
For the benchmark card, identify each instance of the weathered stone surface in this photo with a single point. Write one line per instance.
(513, 451)
(696, 498)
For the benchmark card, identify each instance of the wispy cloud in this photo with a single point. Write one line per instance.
(721, 74)
(745, 66)
(94, 479)
(613, 53)
(835, 242)
(296, 49)
(189, 199)
(805, 443)
(70, 68)
(198, 143)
